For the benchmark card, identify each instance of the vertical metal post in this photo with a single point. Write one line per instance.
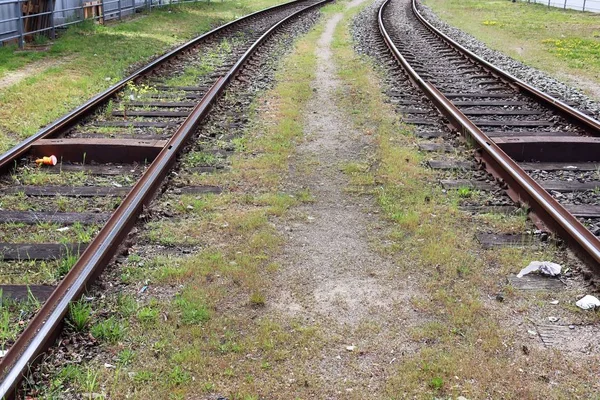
(52, 25)
(583, 5)
(120, 10)
(20, 27)
(565, 6)
(101, 16)
(549, 3)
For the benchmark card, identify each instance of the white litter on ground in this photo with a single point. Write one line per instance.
(545, 267)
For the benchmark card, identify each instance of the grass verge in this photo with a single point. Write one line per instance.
(562, 43)
(88, 58)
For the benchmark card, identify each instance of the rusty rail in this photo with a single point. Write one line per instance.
(522, 187)
(44, 327)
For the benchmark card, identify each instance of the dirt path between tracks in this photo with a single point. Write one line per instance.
(331, 275)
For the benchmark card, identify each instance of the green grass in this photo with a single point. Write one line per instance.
(89, 58)
(563, 43)
(110, 330)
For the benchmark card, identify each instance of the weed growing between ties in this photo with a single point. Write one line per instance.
(562, 43)
(470, 345)
(91, 57)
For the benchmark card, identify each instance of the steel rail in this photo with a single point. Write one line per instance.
(44, 327)
(9, 157)
(522, 187)
(565, 109)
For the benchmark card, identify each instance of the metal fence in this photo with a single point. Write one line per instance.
(579, 5)
(22, 20)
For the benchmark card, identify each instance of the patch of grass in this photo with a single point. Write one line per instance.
(193, 310)
(110, 330)
(199, 158)
(257, 299)
(465, 192)
(127, 305)
(125, 357)
(562, 43)
(436, 383)
(147, 315)
(65, 264)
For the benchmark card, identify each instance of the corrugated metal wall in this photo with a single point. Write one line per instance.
(70, 11)
(8, 10)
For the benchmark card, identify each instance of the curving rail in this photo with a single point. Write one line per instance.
(522, 188)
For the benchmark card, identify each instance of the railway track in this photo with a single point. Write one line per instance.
(543, 152)
(111, 156)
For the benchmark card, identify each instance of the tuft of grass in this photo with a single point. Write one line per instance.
(125, 357)
(465, 192)
(110, 330)
(192, 311)
(80, 315)
(257, 299)
(127, 305)
(147, 315)
(436, 383)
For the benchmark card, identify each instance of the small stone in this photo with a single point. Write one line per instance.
(351, 348)
(553, 319)
(532, 333)
(571, 326)
(500, 297)
(554, 302)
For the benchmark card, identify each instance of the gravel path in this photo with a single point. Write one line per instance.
(331, 276)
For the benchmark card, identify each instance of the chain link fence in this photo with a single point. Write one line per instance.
(579, 5)
(22, 20)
